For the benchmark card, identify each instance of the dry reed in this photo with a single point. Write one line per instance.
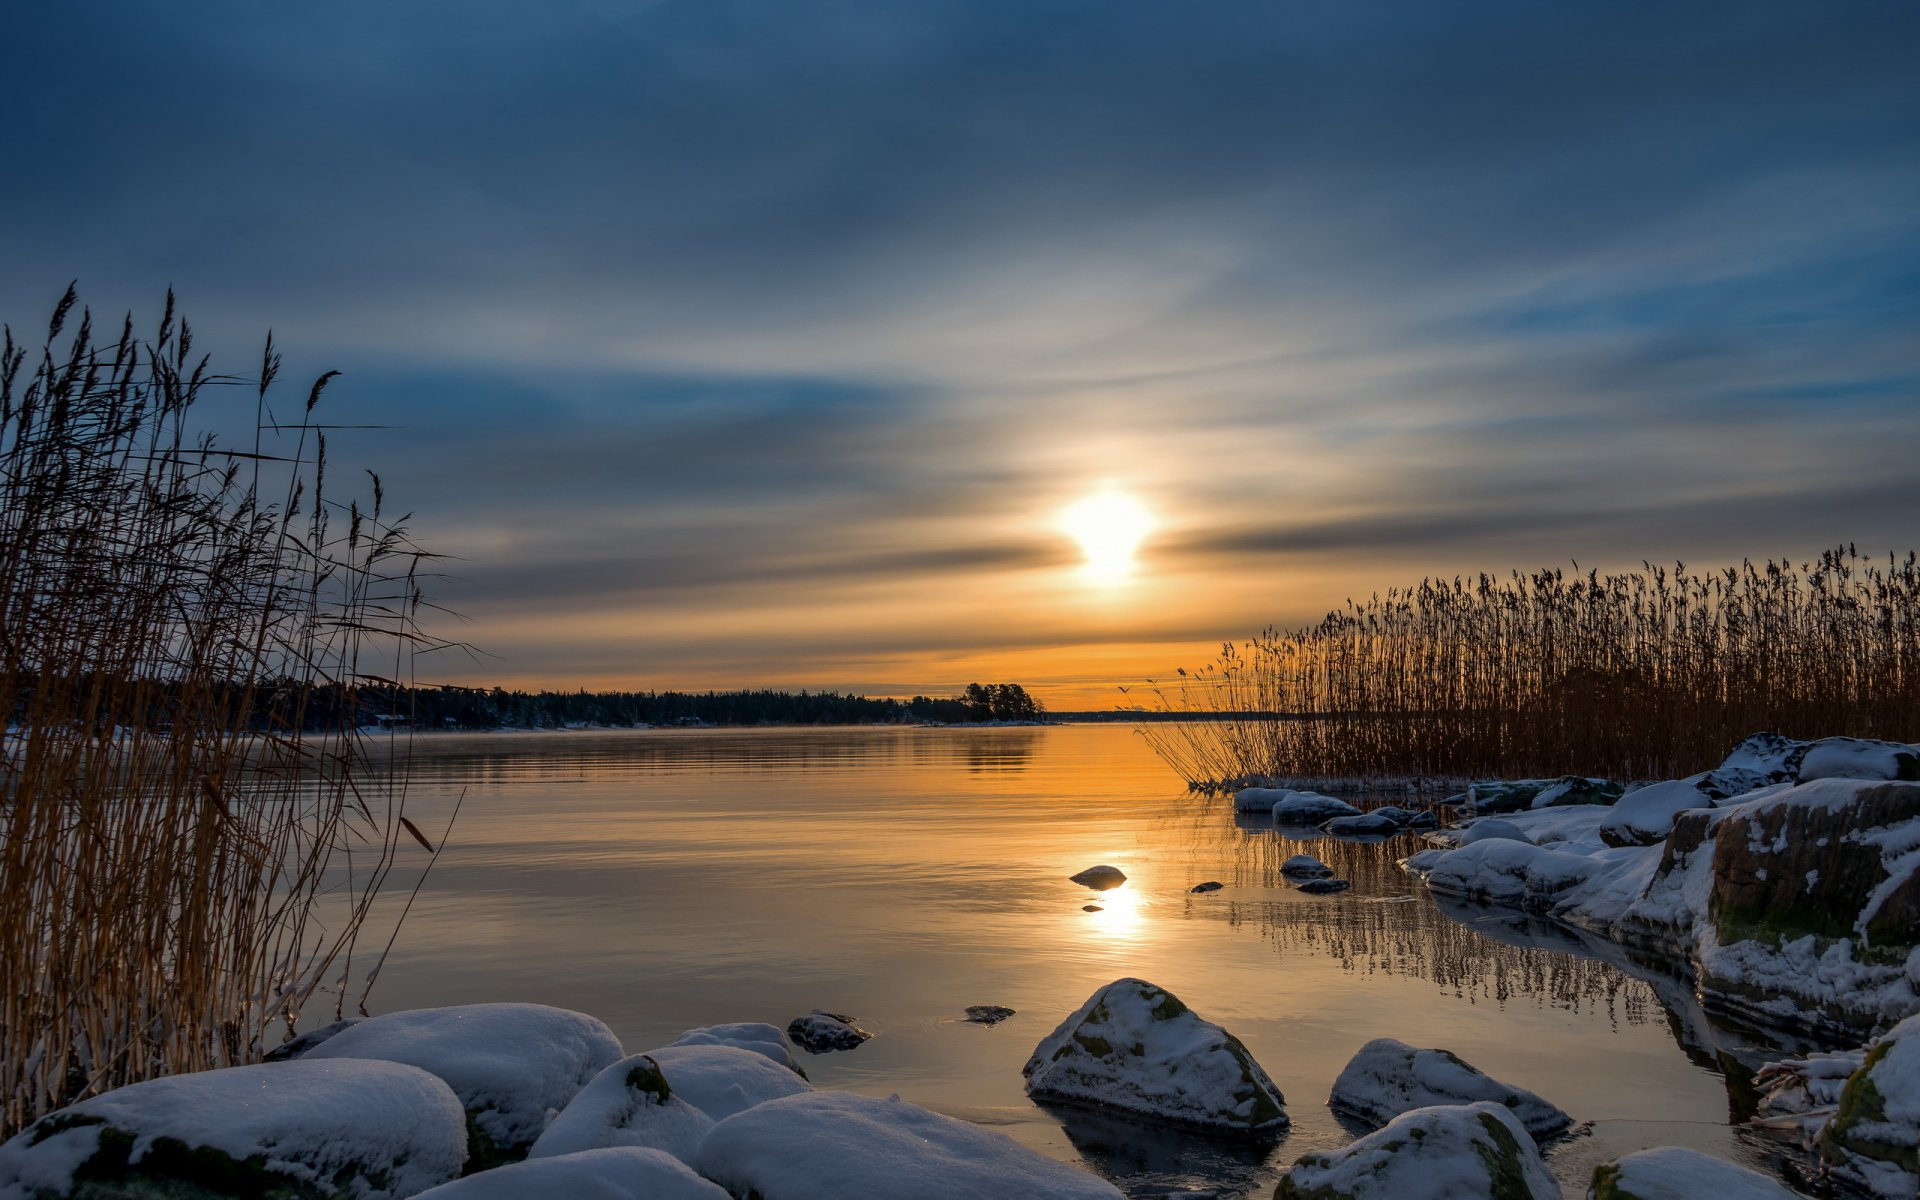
(1646, 674)
(178, 876)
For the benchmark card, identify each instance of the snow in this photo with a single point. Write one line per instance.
(1671, 1173)
(1646, 815)
(631, 1103)
(1440, 1153)
(1305, 866)
(617, 1173)
(1260, 799)
(836, 1145)
(340, 1124)
(1388, 1077)
(756, 1036)
(1136, 1047)
(1311, 808)
(1878, 1120)
(723, 1080)
(1485, 829)
(511, 1064)
(1503, 871)
(1857, 758)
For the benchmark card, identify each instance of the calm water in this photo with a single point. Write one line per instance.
(661, 880)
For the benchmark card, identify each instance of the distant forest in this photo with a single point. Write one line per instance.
(449, 707)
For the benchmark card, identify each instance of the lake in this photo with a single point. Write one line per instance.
(666, 879)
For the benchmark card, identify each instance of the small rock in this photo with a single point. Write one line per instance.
(1091, 908)
(1305, 866)
(1424, 819)
(1450, 1152)
(1399, 816)
(1100, 878)
(987, 1014)
(1211, 885)
(1311, 808)
(1323, 887)
(819, 1032)
(1670, 1173)
(1388, 1077)
(1365, 825)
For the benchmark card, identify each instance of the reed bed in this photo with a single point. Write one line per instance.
(179, 879)
(1645, 674)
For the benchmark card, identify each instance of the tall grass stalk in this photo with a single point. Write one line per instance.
(177, 877)
(1644, 674)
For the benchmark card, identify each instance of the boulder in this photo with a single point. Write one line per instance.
(1100, 878)
(512, 1065)
(1260, 799)
(756, 1036)
(1364, 825)
(836, 1146)
(1645, 815)
(987, 1014)
(1671, 1173)
(820, 1032)
(1450, 1152)
(1491, 829)
(619, 1173)
(1516, 795)
(1136, 1048)
(1396, 814)
(1783, 759)
(1872, 1141)
(631, 1104)
(1305, 866)
(723, 1080)
(1389, 1077)
(352, 1130)
(1311, 808)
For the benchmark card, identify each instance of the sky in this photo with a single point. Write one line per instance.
(727, 343)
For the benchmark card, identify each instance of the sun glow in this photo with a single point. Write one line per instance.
(1109, 526)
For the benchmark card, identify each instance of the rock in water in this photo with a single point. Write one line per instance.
(1211, 885)
(987, 1014)
(1670, 1173)
(630, 1104)
(819, 1032)
(1389, 1077)
(1516, 795)
(1364, 825)
(839, 1146)
(512, 1065)
(756, 1036)
(362, 1129)
(1091, 908)
(1100, 878)
(1323, 887)
(1450, 1152)
(1135, 1047)
(1872, 1141)
(295, 1047)
(1492, 829)
(1311, 808)
(1305, 866)
(622, 1173)
(1643, 817)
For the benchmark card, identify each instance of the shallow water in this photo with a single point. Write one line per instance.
(665, 879)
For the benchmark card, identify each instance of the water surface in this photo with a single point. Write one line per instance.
(666, 879)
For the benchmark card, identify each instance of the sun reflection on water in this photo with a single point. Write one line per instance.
(1121, 913)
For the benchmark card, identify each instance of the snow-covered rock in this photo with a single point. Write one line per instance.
(1394, 813)
(1872, 1141)
(1363, 825)
(1787, 760)
(353, 1129)
(1797, 1095)
(512, 1065)
(296, 1046)
(756, 1036)
(723, 1080)
(1645, 815)
(1503, 871)
(1671, 1173)
(632, 1104)
(1389, 1077)
(1305, 866)
(819, 1032)
(1518, 795)
(1490, 829)
(1135, 1047)
(618, 1173)
(1100, 878)
(1259, 799)
(1450, 1152)
(836, 1145)
(1311, 808)
(1322, 887)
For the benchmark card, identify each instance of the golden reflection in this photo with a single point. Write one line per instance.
(1109, 525)
(1120, 913)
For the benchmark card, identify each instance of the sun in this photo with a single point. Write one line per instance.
(1109, 525)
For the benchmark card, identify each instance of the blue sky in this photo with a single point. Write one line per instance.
(729, 343)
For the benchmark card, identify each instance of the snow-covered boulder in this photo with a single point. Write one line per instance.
(1305, 866)
(756, 1036)
(819, 1032)
(723, 1080)
(1394, 813)
(1363, 825)
(1311, 808)
(1872, 1141)
(1389, 1077)
(512, 1065)
(619, 1173)
(1788, 760)
(1645, 815)
(1135, 1047)
(1503, 872)
(836, 1145)
(1490, 829)
(1450, 1152)
(632, 1104)
(1518, 795)
(347, 1129)
(296, 1046)
(1671, 1173)
(1100, 878)
(1259, 799)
